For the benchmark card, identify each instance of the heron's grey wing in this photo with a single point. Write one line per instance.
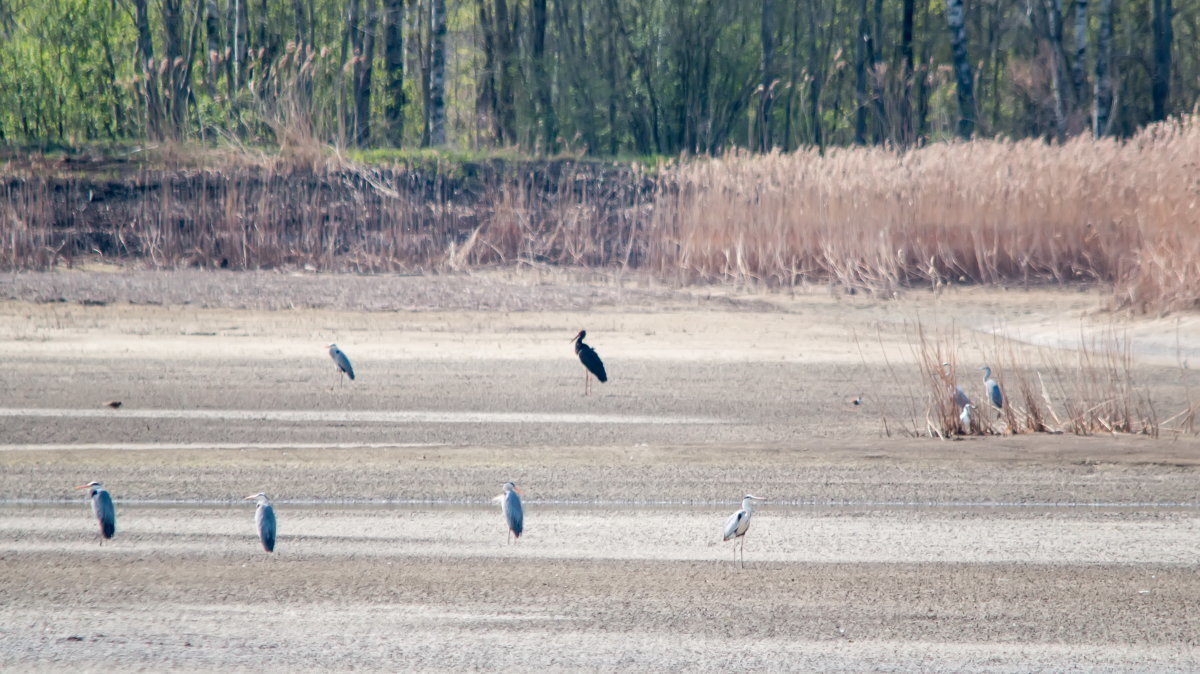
(995, 394)
(105, 512)
(731, 525)
(514, 513)
(343, 363)
(960, 397)
(265, 518)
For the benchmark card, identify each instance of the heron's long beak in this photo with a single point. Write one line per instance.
(252, 497)
(518, 490)
(83, 486)
(758, 498)
(576, 336)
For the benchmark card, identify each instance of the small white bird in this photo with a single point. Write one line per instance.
(340, 359)
(738, 524)
(514, 513)
(965, 417)
(264, 519)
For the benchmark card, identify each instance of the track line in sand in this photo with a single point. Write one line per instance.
(380, 416)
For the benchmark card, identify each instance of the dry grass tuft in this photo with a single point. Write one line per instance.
(1094, 387)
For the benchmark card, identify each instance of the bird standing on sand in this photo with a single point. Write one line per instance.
(102, 507)
(993, 388)
(342, 362)
(591, 361)
(514, 513)
(738, 524)
(264, 519)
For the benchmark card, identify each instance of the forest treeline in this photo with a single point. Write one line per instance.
(597, 77)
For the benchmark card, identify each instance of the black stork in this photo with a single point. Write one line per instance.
(591, 361)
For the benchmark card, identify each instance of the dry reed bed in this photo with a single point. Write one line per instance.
(1094, 389)
(1125, 212)
(330, 217)
(1120, 212)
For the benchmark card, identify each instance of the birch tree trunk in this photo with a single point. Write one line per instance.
(860, 75)
(1054, 34)
(505, 89)
(1160, 83)
(393, 76)
(364, 63)
(237, 17)
(766, 74)
(904, 123)
(212, 35)
(173, 90)
(146, 65)
(541, 76)
(1079, 65)
(816, 71)
(437, 74)
(964, 82)
(1104, 86)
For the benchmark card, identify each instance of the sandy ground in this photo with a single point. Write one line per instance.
(874, 552)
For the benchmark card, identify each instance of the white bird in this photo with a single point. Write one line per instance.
(264, 519)
(514, 513)
(340, 359)
(102, 507)
(737, 525)
(965, 417)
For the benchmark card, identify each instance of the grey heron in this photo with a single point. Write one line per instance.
(965, 417)
(591, 362)
(993, 388)
(264, 518)
(342, 362)
(102, 506)
(960, 396)
(739, 523)
(514, 513)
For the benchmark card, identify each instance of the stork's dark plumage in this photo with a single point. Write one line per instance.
(591, 361)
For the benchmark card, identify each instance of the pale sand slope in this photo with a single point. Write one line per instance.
(875, 552)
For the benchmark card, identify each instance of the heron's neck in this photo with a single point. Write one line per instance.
(746, 505)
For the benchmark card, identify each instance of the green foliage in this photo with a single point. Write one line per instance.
(611, 78)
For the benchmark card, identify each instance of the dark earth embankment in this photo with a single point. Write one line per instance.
(328, 217)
